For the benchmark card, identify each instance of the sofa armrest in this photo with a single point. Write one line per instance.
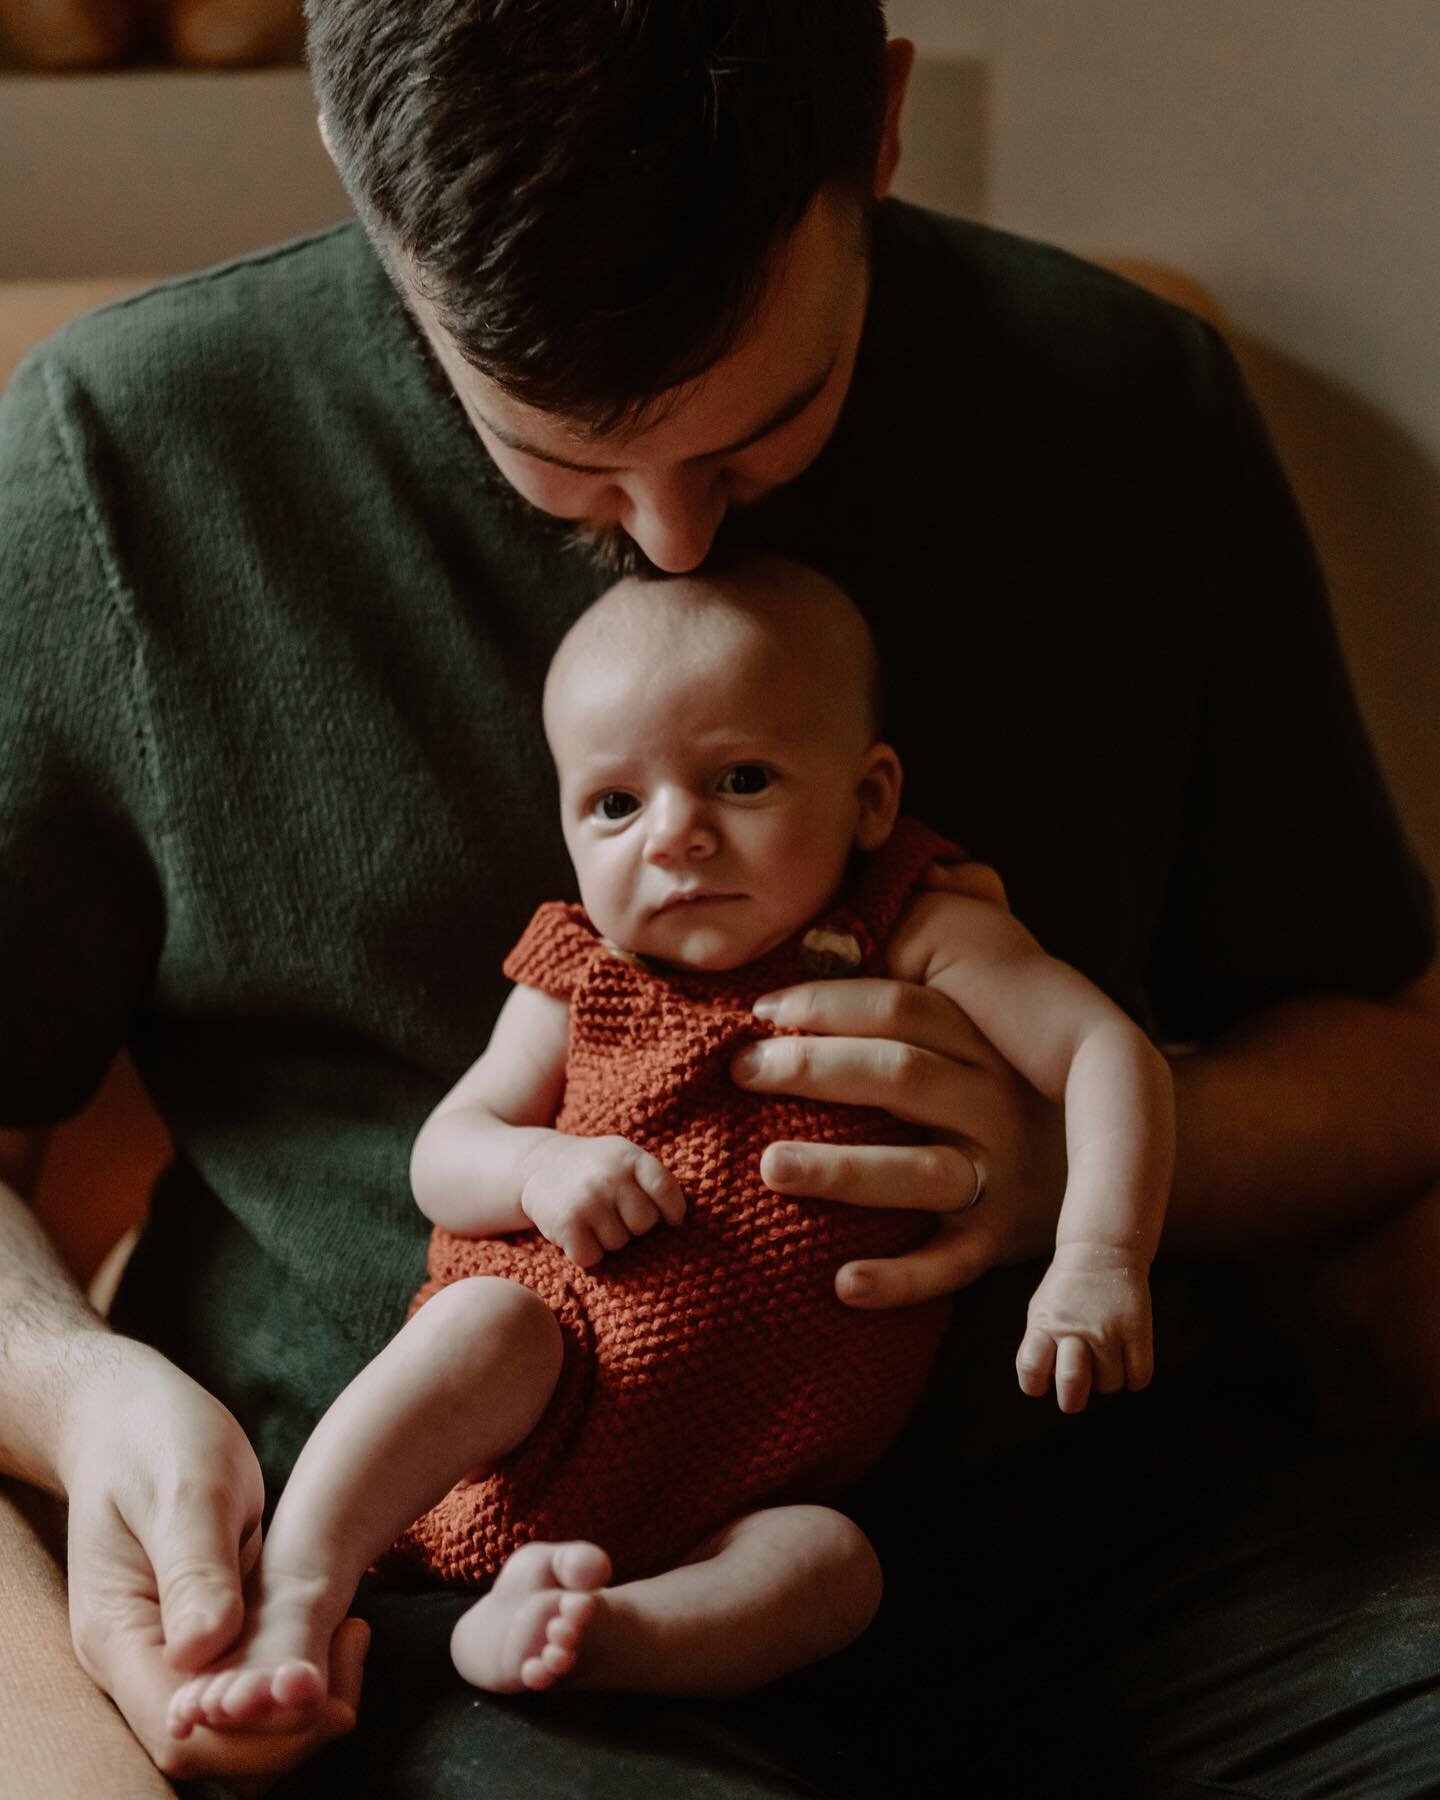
(61, 1737)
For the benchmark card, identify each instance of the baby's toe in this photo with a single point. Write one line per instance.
(185, 1711)
(298, 1684)
(245, 1697)
(213, 1695)
(581, 1566)
(536, 1674)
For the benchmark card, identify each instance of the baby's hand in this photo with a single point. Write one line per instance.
(1089, 1326)
(590, 1195)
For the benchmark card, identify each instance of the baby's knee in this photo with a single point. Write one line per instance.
(852, 1581)
(485, 1321)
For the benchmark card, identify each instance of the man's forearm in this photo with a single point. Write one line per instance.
(1312, 1115)
(49, 1336)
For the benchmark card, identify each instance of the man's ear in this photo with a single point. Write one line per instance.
(878, 792)
(899, 61)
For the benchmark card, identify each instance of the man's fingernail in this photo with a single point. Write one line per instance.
(767, 1008)
(747, 1064)
(858, 1284)
(784, 1165)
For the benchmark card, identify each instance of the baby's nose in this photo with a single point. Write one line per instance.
(680, 830)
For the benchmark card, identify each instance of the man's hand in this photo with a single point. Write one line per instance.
(592, 1195)
(165, 1498)
(911, 1051)
(1088, 1326)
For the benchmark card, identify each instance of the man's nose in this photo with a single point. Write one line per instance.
(679, 830)
(673, 515)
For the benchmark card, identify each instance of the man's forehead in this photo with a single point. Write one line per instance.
(554, 441)
(777, 367)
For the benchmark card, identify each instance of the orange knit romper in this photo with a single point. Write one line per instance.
(708, 1368)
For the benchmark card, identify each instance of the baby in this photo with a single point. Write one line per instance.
(629, 1386)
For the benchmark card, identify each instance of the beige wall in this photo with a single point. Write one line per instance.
(1287, 153)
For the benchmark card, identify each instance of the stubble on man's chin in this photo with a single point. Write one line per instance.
(611, 549)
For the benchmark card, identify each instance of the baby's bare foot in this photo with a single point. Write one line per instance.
(274, 1679)
(527, 1631)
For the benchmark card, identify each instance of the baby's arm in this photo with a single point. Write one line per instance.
(1089, 1320)
(487, 1160)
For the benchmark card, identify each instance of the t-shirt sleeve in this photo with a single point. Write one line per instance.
(80, 908)
(558, 945)
(1291, 872)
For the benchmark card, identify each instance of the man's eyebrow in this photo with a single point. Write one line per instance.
(782, 415)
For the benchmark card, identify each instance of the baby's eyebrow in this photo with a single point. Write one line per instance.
(784, 414)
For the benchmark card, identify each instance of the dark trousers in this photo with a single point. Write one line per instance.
(1182, 1594)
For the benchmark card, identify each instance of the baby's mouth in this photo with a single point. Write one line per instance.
(696, 897)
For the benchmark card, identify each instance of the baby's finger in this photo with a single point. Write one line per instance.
(638, 1212)
(1073, 1372)
(661, 1186)
(581, 1245)
(1035, 1362)
(1139, 1361)
(608, 1226)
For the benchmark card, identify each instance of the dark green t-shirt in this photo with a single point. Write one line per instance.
(274, 799)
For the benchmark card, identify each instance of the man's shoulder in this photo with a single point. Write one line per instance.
(268, 310)
(974, 295)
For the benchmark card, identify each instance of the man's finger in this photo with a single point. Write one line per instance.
(919, 1177)
(949, 1260)
(919, 1086)
(899, 1010)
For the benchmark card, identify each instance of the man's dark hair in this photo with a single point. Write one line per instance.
(589, 191)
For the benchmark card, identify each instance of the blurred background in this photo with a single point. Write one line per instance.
(1283, 156)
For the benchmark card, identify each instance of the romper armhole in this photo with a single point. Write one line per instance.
(555, 950)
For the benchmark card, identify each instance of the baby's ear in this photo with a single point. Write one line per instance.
(878, 791)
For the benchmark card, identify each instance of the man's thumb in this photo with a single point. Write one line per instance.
(198, 1574)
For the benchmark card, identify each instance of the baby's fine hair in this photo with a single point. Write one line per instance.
(813, 619)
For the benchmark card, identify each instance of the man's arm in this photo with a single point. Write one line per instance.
(1309, 1116)
(164, 1491)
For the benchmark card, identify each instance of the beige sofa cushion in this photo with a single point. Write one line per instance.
(31, 310)
(59, 1736)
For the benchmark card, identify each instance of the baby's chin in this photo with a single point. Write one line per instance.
(707, 949)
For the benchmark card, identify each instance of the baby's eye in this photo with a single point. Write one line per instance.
(617, 805)
(745, 778)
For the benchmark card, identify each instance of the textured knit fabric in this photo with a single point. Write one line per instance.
(711, 1368)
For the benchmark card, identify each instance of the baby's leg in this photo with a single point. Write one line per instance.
(463, 1382)
(771, 1592)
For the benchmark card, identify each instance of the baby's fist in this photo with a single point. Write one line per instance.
(592, 1195)
(1088, 1327)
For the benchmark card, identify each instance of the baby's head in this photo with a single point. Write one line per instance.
(716, 740)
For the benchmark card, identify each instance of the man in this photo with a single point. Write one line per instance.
(281, 573)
